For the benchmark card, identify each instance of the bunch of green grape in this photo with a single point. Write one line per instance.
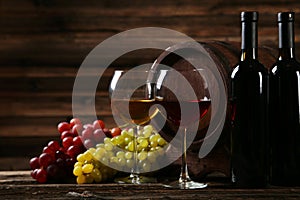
(117, 154)
(89, 170)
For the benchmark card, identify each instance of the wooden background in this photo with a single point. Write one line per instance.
(43, 42)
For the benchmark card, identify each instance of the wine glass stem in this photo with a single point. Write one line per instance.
(184, 175)
(135, 170)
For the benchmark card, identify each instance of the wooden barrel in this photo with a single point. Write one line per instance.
(225, 56)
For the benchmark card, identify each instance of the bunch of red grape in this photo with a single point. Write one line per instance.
(57, 160)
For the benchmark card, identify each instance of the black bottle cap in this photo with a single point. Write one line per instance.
(285, 17)
(249, 16)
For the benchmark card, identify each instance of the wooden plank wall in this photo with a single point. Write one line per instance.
(43, 42)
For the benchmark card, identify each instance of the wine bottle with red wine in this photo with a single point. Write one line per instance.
(249, 102)
(285, 108)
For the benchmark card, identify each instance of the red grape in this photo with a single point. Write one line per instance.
(87, 134)
(88, 143)
(115, 131)
(45, 160)
(99, 135)
(54, 145)
(67, 142)
(34, 172)
(74, 121)
(73, 151)
(52, 170)
(49, 151)
(60, 154)
(77, 129)
(98, 124)
(70, 162)
(63, 126)
(78, 141)
(60, 162)
(86, 126)
(41, 176)
(66, 134)
(107, 132)
(34, 163)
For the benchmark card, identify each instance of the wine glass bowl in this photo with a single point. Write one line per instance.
(132, 99)
(186, 101)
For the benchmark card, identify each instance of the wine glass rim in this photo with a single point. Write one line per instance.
(183, 70)
(132, 71)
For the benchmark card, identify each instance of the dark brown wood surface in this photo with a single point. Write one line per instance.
(43, 42)
(19, 185)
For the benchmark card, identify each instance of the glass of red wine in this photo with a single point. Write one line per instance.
(131, 101)
(185, 99)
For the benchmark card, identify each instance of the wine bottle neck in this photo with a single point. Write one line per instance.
(249, 40)
(286, 40)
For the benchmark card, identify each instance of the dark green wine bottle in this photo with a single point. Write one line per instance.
(285, 108)
(249, 102)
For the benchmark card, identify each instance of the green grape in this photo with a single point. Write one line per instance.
(101, 145)
(124, 133)
(131, 132)
(121, 162)
(91, 150)
(152, 156)
(127, 140)
(131, 146)
(143, 142)
(147, 133)
(96, 174)
(77, 171)
(148, 128)
(107, 140)
(129, 163)
(114, 159)
(154, 138)
(99, 153)
(113, 141)
(119, 139)
(80, 158)
(128, 155)
(139, 148)
(153, 144)
(81, 179)
(78, 164)
(120, 154)
(142, 155)
(97, 156)
(108, 146)
(87, 155)
(104, 160)
(109, 154)
(87, 168)
(89, 178)
(161, 142)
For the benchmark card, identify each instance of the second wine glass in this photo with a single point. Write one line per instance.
(185, 98)
(131, 100)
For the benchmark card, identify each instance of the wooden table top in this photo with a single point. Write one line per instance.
(19, 184)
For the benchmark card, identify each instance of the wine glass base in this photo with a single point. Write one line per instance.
(135, 180)
(186, 185)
